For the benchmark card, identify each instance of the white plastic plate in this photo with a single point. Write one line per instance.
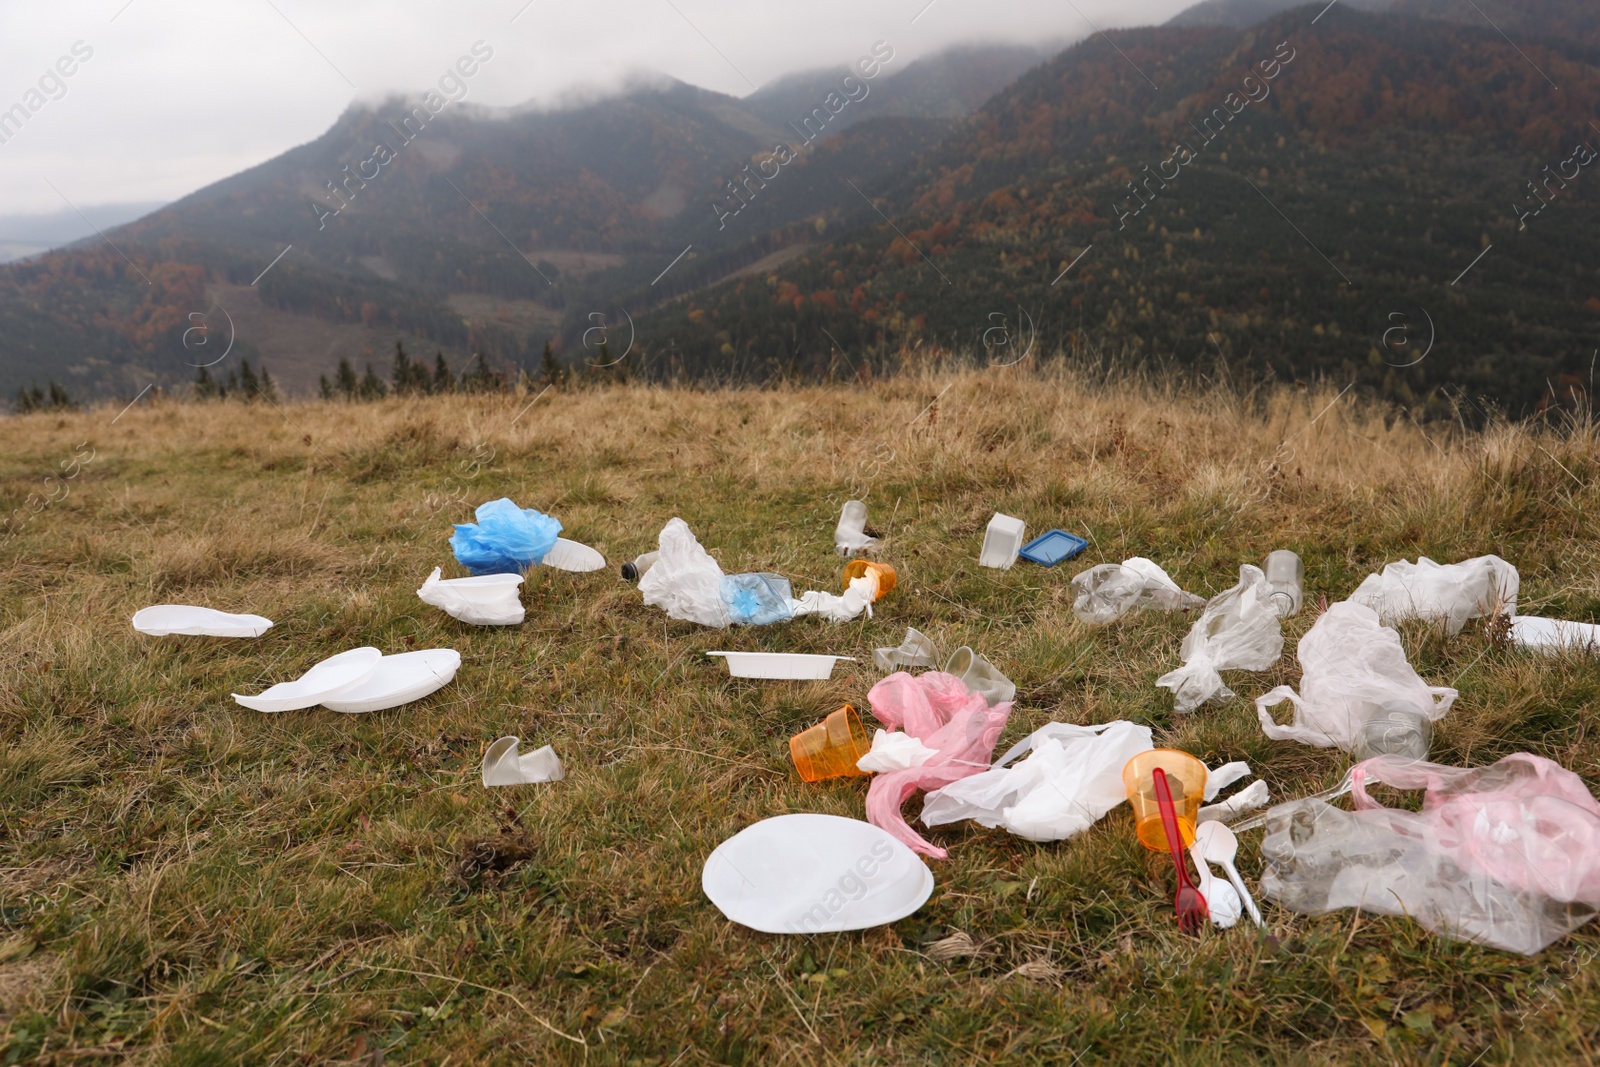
(167, 619)
(329, 678)
(567, 555)
(1553, 635)
(791, 666)
(399, 680)
(809, 874)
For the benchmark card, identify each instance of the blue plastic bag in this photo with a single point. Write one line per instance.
(506, 539)
(757, 599)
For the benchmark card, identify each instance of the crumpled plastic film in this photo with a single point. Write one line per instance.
(499, 604)
(1449, 593)
(894, 751)
(850, 536)
(1239, 630)
(917, 650)
(1506, 855)
(505, 539)
(684, 580)
(757, 599)
(1351, 664)
(1106, 593)
(857, 598)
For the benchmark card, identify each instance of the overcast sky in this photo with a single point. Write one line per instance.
(180, 93)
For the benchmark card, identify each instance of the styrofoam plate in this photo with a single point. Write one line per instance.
(168, 619)
(792, 666)
(329, 678)
(808, 874)
(399, 680)
(567, 555)
(1553, 635)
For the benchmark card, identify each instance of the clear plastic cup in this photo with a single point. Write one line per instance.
(857, 567)
(980, 676)
(1286, 577)
(831, 748)
(1186, 780)
(1393, 730)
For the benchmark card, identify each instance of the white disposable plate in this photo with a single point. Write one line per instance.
(787, 665)
(399, 680)
(808, 874)
(167, 619)
(329, 678)
(567, 555)
(1552, 635)
(481, 588)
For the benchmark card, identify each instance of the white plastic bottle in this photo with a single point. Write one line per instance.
(634, 571)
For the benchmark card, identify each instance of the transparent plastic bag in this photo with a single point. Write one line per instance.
(506, 539)
(1354, 677)
(684, 580)
(917, 650)
(1106, 593)
(1449, 593)
(757, 599)
(1239, 630)
(1506, 855)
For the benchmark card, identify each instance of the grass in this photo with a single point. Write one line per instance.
(185, 881)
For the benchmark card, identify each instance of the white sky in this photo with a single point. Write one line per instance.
(181, 93)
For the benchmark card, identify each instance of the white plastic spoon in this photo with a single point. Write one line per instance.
(1218, 845)
(1222, 902)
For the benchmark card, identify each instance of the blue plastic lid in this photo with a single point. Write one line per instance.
(1053, 547)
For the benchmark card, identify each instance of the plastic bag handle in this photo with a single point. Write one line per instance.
(1270, 727)
(1443, 697)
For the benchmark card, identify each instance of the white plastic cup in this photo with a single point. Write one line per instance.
(1286, 578)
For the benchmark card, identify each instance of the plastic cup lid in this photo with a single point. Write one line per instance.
(329, 678)
(399, 680)
(163, 620)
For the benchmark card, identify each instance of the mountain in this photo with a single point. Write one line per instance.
(1244, 13)
(30, 235)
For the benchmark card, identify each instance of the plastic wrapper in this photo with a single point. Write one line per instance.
(1239, 630)
(1506, 855)
(1352, 666)
(757, 599)
(1106, 593)
(937, 710)
(490, 600)
(917, 650)
(506, 539)
(856, 598)
(684, 580)
(1447, 593)
(896, 751)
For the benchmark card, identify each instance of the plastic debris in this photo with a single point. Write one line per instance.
(1555, 635)
(980, 676)
(850, 537)
(332, 676)
(855, 599)
(503, 765)
(487, 600)
(812, 874)
(894, 751)
(567, 555)
(1239, 630)
(1106, 593)
(1356, 688)
(1052, 547)
(917, 650)
(831, 748)
(1223, 906)
(398, 680)
(506, 539)
(1506, 855)
(1217, 844)
(164, 620)
(1002, 541)
(1252, 797)
(937, 710)
(637, 569)
(757, 599)
(1287, 577)
(1449, 593)
(779, 665)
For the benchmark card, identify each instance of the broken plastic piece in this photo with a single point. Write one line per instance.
(850, 536)
(894, 751)
(917, 650)
(502, 765)
(567, 555)
(1450, 593)
(399, 680)
(165, 620)
(486, 600)
(1555, 635)
(980, 676)
(1001, 542)
(1106, 593)
(332, 676)
(1239, 630)
(792, 666)
(1053, 547)
(505, 539)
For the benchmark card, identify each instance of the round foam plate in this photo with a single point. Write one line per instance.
(399, 680)
(807, 874)
(164, 620)
(330, 677)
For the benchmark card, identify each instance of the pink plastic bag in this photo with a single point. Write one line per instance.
(961, 728)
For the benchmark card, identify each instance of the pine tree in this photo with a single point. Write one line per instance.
(551, 372)
(326, 387)
(408, 377)
(249, 384)
(443, 380)
(58, 399)
(345, 380)
(372, 386)
(478, 378)
(205, 388)
(30, 400)
(269, 388)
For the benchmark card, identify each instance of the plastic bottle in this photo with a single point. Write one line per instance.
(1286, 575)
(634, 571)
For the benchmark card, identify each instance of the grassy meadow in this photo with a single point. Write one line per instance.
(185, 881)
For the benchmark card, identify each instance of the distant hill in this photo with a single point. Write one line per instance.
(30, 235)
(1243, 13)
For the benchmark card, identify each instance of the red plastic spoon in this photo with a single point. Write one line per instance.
(1190, 905)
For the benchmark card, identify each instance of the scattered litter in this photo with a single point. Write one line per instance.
(1450, 593)
(398, 680)
(831, 748)
(980, 676)
(567, 555)
(1186, 785)
(755, 599)
(894, 751)
(1166, 791)
(1252, 797)
(1287, 577)
(850, 537)
(635, 570)
(883, 572)
(812, 874)
(780, 665)
(1002, 541)
(917, 650)
(938, 710)
(484, 600)
(1506, 855)
(1106, 593)
(1357, 690)
(502, 765)
(1217, 844)
(1223, 906)
(166, 620)
(506, 539)
(1239, 630)
(1054, 547)
(858, 597)
(332, 676)
(1555, 635)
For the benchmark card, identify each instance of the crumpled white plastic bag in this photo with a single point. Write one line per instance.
(839, 608)
(1351, 664)
(1239, 630)
(479, 601)
(894, 751)
(1106, 593)
(684, 580)
(1450, 593)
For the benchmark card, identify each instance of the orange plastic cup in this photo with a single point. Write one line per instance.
(1186, 779)
(831, 748)
(857, 567)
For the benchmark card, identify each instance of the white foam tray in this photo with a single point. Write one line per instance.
(790, 666)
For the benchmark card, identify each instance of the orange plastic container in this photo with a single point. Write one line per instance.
(857, 567)
(1186, 779)
(831, 748)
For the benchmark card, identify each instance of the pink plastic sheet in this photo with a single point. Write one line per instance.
(961, 728)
